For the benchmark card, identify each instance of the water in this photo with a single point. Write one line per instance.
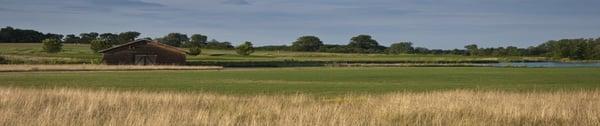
(548, 64)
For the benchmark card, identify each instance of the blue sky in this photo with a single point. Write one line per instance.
(429, 23)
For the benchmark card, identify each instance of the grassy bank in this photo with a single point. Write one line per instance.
(91, 67)
(457, 107)
(319, 80)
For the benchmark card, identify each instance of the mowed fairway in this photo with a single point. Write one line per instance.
(319, 81)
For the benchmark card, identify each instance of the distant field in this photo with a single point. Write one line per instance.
(320, 81)
(80, 53)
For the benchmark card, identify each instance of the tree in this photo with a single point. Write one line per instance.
(110, 38)
(99, 44)
(198, 40)
(88, 37)
(307, 43)
(472, 49)
(401, 47)
(13, 35)
(214, 44)
(512, 51)
(52, 45)
(58, 37)
(129, 36)
(365, 44)
(245, 49)
(174, 39)
(194, 51)
(6, 34)
(71, 38)
(421, 50)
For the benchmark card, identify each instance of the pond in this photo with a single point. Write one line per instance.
(547, 64)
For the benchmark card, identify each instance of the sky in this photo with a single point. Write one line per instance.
(435, 24)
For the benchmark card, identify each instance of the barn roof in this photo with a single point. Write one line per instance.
(145, 41)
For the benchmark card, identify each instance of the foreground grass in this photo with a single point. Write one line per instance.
(457, 107)
(319, 80)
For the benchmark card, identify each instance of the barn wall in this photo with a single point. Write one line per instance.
(125, 55)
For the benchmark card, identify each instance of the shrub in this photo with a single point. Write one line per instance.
(99, 44)
(3, 60)
(194, 51)
(52, 45)
(245, 49)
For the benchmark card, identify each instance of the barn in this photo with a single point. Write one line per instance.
(143, 52)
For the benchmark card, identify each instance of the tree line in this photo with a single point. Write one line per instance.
(578, 49)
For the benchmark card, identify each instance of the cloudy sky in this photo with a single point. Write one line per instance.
(429, 23)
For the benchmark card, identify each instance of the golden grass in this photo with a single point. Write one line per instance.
(461, 107)
(92, 67)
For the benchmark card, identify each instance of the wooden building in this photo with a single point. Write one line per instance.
(143, 52)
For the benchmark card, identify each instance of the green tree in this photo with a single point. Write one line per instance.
(307, 43)
(52, 45)
(214, 44)
(421, 50)
(365, 44)
(401, 47)
(245, 49)
(129, 36)
(472, 49)
(88, 37)
(194, 51)
(512, 51)
(110, 38)
(197, 40)
(71, 38)
(99, 44)
(174, 39)
(13, 35)
(58, 37)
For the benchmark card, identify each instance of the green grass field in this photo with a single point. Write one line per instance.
(80, 53)
(320, 81)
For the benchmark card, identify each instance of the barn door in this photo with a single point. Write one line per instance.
(145, 59)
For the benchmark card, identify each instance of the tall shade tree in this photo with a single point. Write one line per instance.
(71, 38)
(472, 49)
(58, 37)
(307, 43)
(174, 39)
(245, 49)
(110, 38)
(129, 36)
(88, 37)
(401, 48)
(99, 44)
(52, 45)
(365, 44)
(197, 40)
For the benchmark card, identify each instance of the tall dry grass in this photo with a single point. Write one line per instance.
(461, 107)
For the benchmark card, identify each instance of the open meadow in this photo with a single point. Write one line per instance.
(32, 53)
(202, 95)
(317, 80)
